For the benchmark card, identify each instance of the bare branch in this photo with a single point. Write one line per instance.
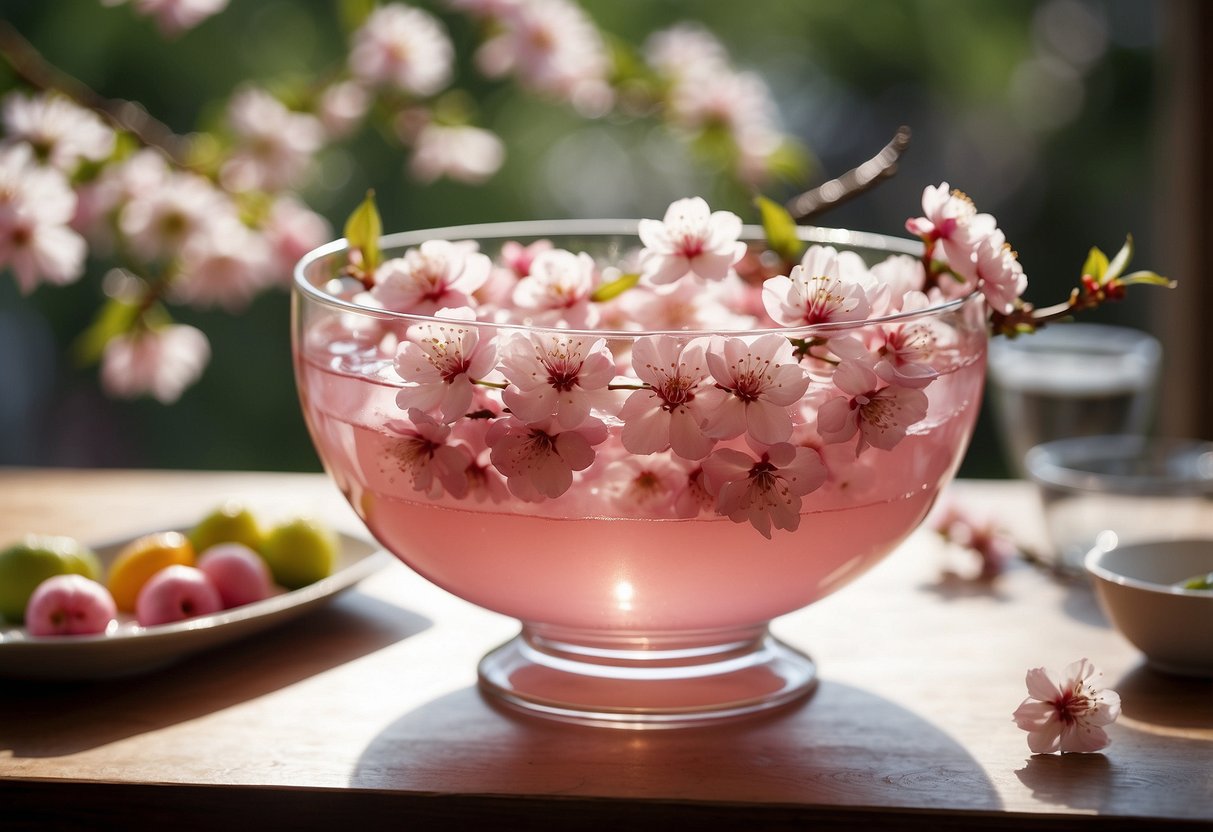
(852, 183)
(29, 65)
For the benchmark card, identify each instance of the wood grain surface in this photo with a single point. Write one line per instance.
(366, 711)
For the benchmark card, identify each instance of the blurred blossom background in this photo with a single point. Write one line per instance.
(1050, 114)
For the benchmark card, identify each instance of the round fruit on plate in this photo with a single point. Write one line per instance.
(300, 552)
(27, 563)
(176, 593)
(229, 523)
(69, 605)
(141, 559)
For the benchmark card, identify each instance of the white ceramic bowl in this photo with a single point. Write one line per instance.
(1136, 585)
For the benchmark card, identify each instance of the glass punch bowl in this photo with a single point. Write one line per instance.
(642, 542)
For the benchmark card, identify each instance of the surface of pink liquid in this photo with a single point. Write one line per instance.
(570, 564)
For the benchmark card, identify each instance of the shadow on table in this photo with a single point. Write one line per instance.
(1162, 699)
(84, 715)
(843, 747)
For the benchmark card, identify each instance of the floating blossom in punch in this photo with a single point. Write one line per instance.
(669, 411)
(757, 380)
(555, 375)
(824, 288)
(538, 459)
(1067, 715)
(424, 453)
(558, 286)
(435, 275)
(879, 411)
(440, 361)
(691, 239)
(765, 490)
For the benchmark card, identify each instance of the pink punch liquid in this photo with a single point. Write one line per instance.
(575, 562)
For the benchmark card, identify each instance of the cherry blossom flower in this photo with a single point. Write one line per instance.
(143, 172)
(668, 413)
(175, 16)
(691, 239)
(435, 275)
(342, 107)
(757, 380)
(225, 265)
(462, 153)
(519, 258)
(402, 46)
(554, 48)
(559, 282)
(439, 361)
(274, 145)
(693, 498)
(880, 412)
(1070, 715)
(767, 490)
(823, 288)
(60, 133)
(952, 222)
(159, 362)
(159, 223)
(644, 486)
(910, 346)
(976, 532)
(423, 452)
(997, 271)
(538, 459)
(36, 205)
(685, 304)
(903, 275)
(291, 230)
(685, 49)
(555, 375)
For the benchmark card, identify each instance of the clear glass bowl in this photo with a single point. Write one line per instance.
(1111, 490)
(635, 611)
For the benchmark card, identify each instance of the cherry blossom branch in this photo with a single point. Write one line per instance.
(32, 67)
(854, 182)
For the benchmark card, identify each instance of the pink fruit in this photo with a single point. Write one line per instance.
(69, 605)
(176, 593)
(239, 573)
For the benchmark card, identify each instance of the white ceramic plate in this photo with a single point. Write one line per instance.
(130, 649)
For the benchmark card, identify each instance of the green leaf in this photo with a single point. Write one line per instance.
(614, 288)
(1096, 265)
(791, 161)
(1149, 278)
(780, 229)
(1120, 261)
(353, 13)
(363, 230)
(115, 317)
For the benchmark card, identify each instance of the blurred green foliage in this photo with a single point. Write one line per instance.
(1042, 110)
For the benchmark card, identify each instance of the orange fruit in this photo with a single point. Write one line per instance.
(142, 558)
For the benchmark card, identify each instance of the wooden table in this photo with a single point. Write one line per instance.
(365, 714)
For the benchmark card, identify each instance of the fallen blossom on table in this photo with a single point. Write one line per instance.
(1070, 715)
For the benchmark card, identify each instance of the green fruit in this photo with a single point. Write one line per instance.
(31, 561)
(230, 523)
(300, 552)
